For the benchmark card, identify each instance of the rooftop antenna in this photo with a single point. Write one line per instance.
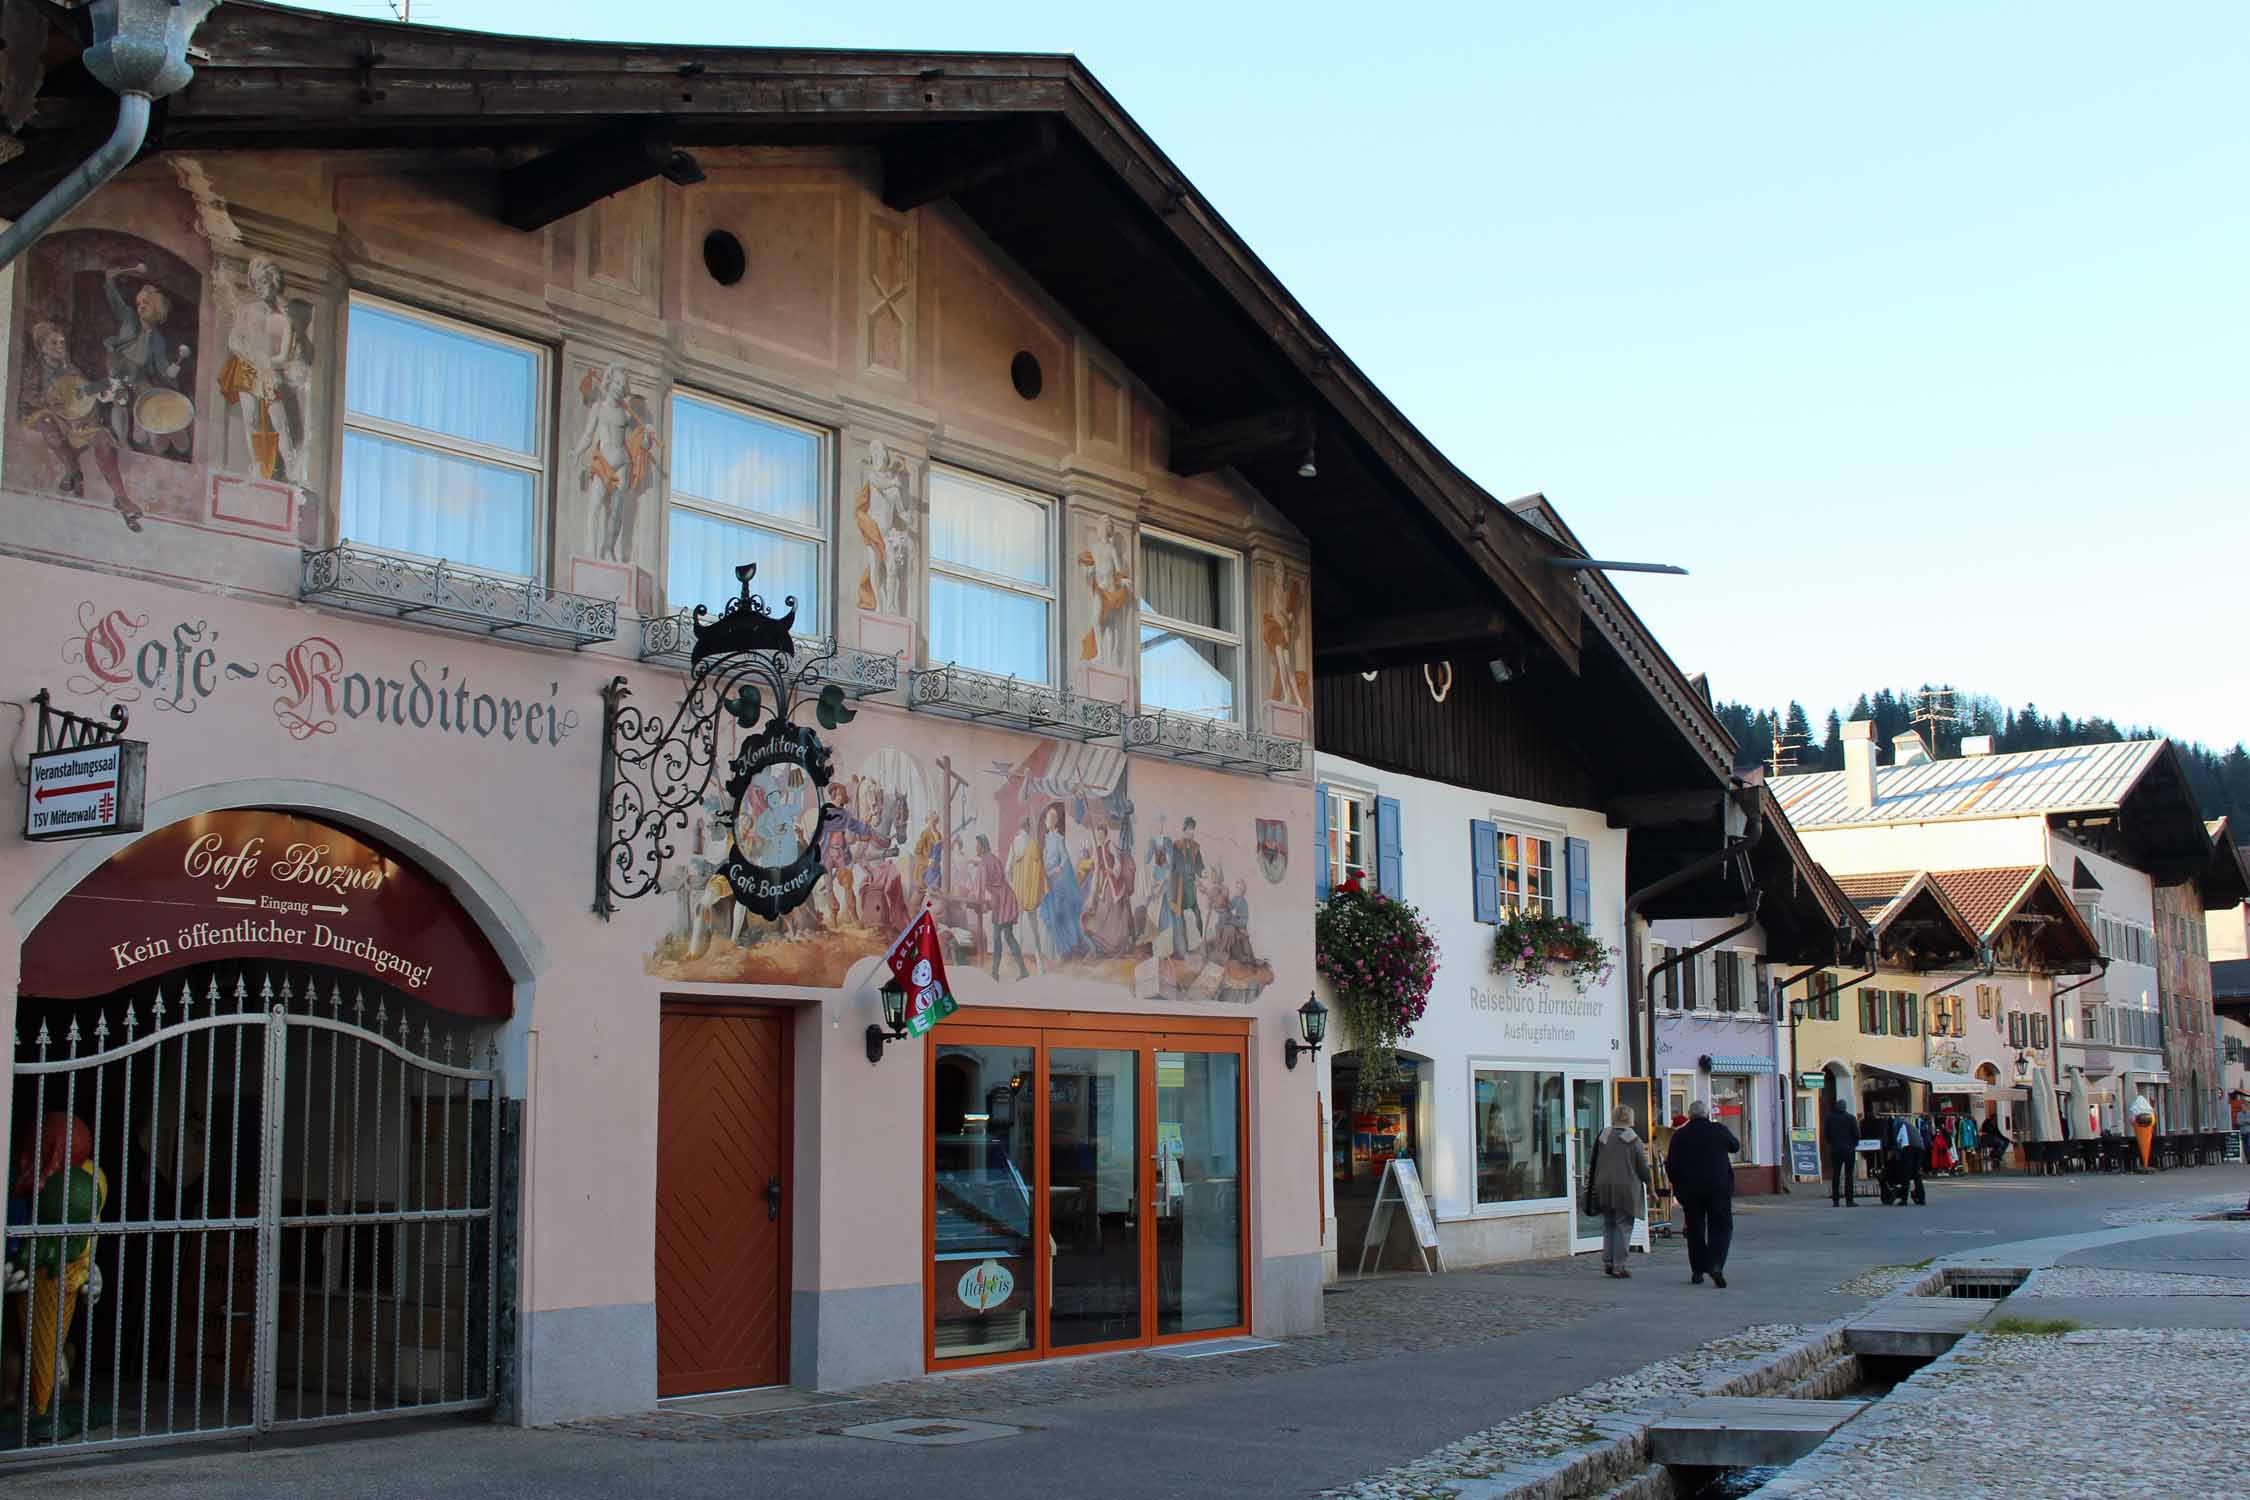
(1935, 706)
(1786, 744)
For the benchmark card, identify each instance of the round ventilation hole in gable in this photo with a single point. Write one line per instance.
(1024, 372)
(723, 257)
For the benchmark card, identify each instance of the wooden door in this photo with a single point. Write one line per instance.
(722, 1199)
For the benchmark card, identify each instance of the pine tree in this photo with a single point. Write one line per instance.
(1832, 743)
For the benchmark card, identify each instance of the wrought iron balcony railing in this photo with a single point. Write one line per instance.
(438, 593)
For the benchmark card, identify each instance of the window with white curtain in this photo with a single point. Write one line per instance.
(747, 487)
(992, 576)
(445, 440)
(1191, 626)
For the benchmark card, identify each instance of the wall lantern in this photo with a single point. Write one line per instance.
(893, 1028)
(1312, 1021)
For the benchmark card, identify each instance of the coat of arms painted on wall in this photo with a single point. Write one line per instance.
(1273, 849)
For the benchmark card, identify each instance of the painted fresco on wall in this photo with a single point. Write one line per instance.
(110, 325)
(1104, 569)
(265, 384)
(884, 512)
(1283, 628)
(617, 459)
(1036, 866)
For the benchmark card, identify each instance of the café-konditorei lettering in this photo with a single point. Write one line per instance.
(317, 691)
(656, 771)
(258, 884)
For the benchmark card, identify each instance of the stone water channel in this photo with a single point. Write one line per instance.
(1739, 1424)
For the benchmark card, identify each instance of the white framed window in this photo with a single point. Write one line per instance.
(992, 576)
(1526, 862)
(747, 486)
(1191, 626)
(1669, 979)
(1351, 836)
(446, 440)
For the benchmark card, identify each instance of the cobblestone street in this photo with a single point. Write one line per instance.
(1379, 1317)
(1440, 1387)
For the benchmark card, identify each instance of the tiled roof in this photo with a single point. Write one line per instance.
(1871, 893)
(1985, 895)
(2081, 778)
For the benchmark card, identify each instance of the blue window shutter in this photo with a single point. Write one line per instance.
(1484, 868)
(1320, 842)
(1577, 853)
(1390, 873)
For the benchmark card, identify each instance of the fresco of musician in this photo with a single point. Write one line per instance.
(106, 363)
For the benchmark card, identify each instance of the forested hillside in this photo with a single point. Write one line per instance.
(2221, 777)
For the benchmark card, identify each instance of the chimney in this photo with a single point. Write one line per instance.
(1859, 764)
(1910, 749)
(1975, 744)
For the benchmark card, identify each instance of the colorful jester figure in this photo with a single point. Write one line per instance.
(69, 1189)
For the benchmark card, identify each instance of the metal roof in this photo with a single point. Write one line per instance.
(2079, 778)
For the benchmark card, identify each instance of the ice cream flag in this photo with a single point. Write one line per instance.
(919, 966)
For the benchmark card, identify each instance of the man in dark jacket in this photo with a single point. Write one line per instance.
(1700, 1163)
(1841, 1128)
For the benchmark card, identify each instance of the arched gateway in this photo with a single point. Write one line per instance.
(259, 1139)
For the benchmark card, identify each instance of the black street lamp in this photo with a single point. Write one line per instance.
(1312, 1021)
(894, 1018)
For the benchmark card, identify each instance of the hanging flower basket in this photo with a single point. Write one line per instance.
(1530, 945)
(1380, 960)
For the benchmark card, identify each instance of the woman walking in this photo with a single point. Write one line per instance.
(1617, 1187)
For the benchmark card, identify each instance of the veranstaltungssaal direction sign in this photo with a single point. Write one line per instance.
(94, 789)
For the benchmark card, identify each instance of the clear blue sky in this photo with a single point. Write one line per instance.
(1920, 337)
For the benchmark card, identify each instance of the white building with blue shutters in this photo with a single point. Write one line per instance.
(1508, 1082)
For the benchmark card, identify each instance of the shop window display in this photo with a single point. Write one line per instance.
(1521, 1132)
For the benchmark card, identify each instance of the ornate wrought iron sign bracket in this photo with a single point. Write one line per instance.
(85, 778)
(658, 771)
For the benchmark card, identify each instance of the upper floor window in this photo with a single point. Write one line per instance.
(746, 488)
(1670, 977)
(1728, 980)
(1874, 1013)
(992, 576)
(1351, 836)
(1191, 626)
(1906, 1013)
(445, 440)
(1527, 875)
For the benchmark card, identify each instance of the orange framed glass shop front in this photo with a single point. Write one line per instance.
(1086, 1184)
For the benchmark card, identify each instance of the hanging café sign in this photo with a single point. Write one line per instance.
(658, 771)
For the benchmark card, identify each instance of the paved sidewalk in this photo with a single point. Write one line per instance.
(1408, 1365)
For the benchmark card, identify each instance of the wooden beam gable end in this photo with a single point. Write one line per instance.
(1199, 450)
(918, 170)
(558, 184)
(1407, 639)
